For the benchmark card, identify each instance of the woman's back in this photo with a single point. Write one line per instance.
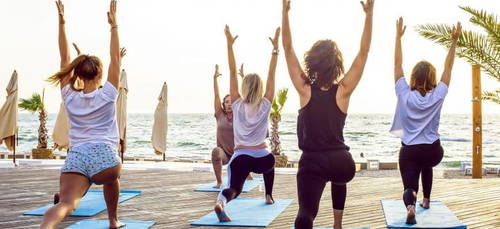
(250, 126)
(417, 117)
(320, 123)
(92, 116)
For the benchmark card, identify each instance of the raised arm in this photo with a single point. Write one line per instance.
(114, 51)
(294, 69)
(398, 53)
(448, 65)
(63, 42)
(352, 77)
(233, 80)
(272, 66)
(217, 101)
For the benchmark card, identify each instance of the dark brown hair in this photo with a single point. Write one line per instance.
(423, 77)
(84, 67)
(323, 64)
(223, 104)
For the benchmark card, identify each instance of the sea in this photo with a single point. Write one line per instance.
(192, 136)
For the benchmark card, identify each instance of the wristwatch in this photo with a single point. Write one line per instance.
(276, 51)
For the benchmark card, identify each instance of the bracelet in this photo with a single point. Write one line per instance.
(114, 27)
(276, 51)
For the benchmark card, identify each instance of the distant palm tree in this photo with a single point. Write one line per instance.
(34, 104)
(277, 107)
(477, 48)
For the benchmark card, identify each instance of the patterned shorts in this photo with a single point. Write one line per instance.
(90, 159)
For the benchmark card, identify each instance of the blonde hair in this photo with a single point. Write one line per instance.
(423, 77)
(252, 90)
(84, 67)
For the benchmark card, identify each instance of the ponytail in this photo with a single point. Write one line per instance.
(68, 72)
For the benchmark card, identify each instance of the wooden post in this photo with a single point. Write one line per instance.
(477, 128)
(14, 151)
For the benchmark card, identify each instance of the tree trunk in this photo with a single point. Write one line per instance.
(42, 130)
(275, 138)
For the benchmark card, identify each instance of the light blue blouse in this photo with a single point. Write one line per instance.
(416, 120)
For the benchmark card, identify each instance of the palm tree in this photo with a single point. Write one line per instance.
(277, 106)
(476, 48)
(34, 104)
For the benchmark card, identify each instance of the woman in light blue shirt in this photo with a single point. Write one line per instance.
(416, 120)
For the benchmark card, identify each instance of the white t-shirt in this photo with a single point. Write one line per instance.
(250, 127)
(416, 120)
(92, 116)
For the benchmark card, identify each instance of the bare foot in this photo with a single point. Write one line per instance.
(269, 199)
(425, 203)
(116, 224)
(218, 185)
(410, 217)
(249, 177)
(219, 211)
(56, 198)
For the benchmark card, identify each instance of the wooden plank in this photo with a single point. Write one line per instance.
(169, 199)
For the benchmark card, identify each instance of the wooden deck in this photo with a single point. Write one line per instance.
(169, 200)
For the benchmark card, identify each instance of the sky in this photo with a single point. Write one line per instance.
(180, 41)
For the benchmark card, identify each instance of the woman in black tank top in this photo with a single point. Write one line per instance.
(324, 100)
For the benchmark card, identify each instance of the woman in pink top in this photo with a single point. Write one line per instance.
(91, 111)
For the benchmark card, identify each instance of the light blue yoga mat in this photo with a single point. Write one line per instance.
(246, 212)
(91, 204)
(247, 187)
(104, 224)
(437, 216)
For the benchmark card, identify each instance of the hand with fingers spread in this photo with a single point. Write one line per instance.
(216, 73)
(123, 52)
(112, 14)
(229, 37)
(286, 6)
(241, 72)
(275, 40)
(398, 51)
(78, 52)
(400, 28)
(60, 10)
(367, 6)
(457, 31)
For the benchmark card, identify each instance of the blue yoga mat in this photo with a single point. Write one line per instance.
(246, 212)
(91, 204)
(104, 224)
(437, 216)
(247, 187)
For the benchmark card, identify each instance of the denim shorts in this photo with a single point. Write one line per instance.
(90, 159)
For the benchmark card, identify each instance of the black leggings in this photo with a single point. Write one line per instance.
(241, 166)
(415, 160)
(315, 170)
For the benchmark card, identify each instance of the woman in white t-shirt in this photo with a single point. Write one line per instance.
(416, 121)
(92, 157)
(250, 124)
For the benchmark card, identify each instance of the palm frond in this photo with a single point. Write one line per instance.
(282, 96)
(278, 103)
(488, 21)
(493, 96)
(32, 104)
(473, 47)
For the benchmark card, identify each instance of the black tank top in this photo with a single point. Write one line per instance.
(320, 123)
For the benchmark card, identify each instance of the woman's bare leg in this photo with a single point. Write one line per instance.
(217, 161)
(110, 179)
(72, 187)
